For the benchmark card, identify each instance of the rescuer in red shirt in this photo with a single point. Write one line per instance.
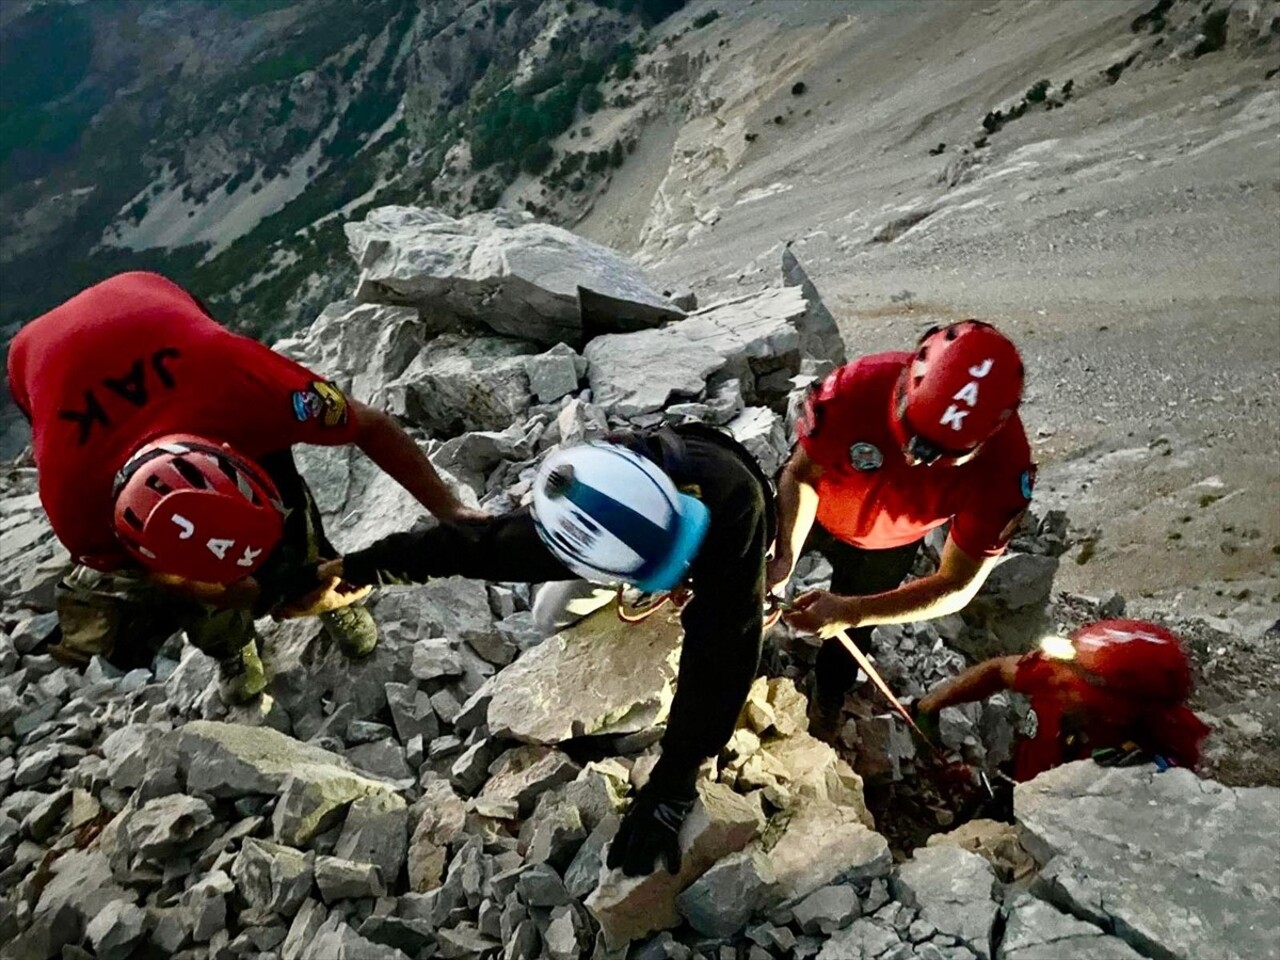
(1115, 690)
(889, 447)
(162, 448)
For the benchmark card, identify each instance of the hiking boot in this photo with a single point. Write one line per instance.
(352, 628)
(240, 675)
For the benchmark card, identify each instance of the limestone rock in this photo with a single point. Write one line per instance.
(638, 373)
(722, 900)
(359, 502)
(1174, 865)
(376, 831)
(827, 909)
(757, 336)
(359, 346)
(953, 890)
(522, 774)
(459, 383)
(764, 434)
(165, 827)
(520, 278)
(601, 676)
(228, 761)
(440, 822)
(721, 823)
(116, 930)
(821, 844)
(995, 842)
(1036, 930)
(272, 878)
(341, 942)
(339, 879)
(819, 335)
(865, 939)
(555, 373)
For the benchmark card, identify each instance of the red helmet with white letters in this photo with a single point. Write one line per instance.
(1134, 658)
(959, 387)
(191, 508)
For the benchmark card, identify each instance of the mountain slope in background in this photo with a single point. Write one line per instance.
(225, 141)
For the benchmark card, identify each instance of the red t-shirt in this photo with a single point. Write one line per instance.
(871, 497)
(136, 357)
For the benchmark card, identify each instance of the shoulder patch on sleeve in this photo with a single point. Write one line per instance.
(320, 401)
(1027, 482)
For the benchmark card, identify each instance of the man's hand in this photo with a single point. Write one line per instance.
(332, 594)
(462, 514)
(823, 613)
(778, 572)
(650, 832)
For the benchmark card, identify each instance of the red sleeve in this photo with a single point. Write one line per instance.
(1001, 498)
(286, 403)
(826, 426)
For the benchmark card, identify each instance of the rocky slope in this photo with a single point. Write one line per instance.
(452, 795)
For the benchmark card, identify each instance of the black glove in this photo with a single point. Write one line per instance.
(651, 832)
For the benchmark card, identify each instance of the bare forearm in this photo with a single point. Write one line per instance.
(922, 599)
(395, 452)
(976, 683)
(797, 508)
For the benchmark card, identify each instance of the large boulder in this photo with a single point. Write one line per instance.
(359, 502)
(759, 338)
(819, 335)
(314, 786)
(359, 346)
(458, 383)
(601, 676)
(1174, 865)
(498, 268)
(637, 373)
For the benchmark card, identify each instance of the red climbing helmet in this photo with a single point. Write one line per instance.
(1134, 658)
(959, 387)
(191, 508)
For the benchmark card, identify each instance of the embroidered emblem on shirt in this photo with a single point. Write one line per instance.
(1027, 483)
(320, 401)
(865, 457)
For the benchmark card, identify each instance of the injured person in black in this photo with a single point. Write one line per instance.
(722, 622)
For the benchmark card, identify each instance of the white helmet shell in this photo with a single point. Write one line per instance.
(612, 516)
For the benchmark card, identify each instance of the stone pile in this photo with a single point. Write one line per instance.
(454, 794)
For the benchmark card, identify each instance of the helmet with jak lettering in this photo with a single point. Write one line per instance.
(611, 516)
(191, 508)
(959, 387)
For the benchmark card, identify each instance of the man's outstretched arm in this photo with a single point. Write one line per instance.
(385, 443)
(980, 681)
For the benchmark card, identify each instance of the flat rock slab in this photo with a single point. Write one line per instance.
(1174, 865)
(601, 676)
(953, 889)
(1036, 930)
(520, 278)
(636, 373)
(229, 761)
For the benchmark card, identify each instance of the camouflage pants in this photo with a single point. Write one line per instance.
(124, 617)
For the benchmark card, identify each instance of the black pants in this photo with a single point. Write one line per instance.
(859, 573)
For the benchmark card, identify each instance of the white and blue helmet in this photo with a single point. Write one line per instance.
(612, 516)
